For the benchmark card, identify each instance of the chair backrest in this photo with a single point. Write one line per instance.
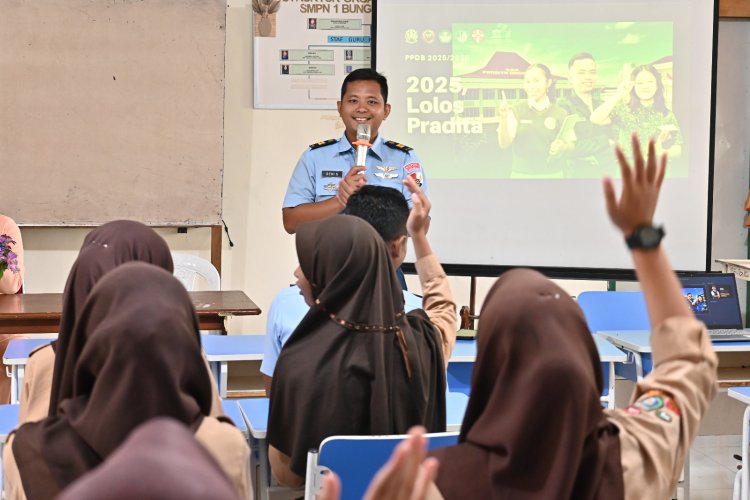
(356, 460)
(614, 310)
(189, 269)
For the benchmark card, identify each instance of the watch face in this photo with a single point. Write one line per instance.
(650, 236)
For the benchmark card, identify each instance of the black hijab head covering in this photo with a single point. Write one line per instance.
(356, 364)
(160, 460)
(137, 356)
(534, 426)
(103, 249)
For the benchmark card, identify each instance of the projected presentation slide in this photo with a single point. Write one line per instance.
(537, 105)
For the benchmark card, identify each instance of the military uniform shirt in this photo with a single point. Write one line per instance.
(322, 167)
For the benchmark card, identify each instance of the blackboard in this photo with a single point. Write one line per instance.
(112, 109)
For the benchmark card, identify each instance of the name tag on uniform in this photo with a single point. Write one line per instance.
(331, 173)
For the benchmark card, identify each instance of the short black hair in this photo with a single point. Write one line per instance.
(367, 74)
(580, 57)
(384, 208)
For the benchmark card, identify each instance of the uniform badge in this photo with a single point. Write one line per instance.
(671, 406)
(664, 415)
(632, 410)
(323, 143)
(385, 168)
(411, 167)
(331, 173)
(651, 403)
(383, 175)
(331, 186)
(417, 176)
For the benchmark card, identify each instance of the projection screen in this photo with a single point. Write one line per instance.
(515, 107)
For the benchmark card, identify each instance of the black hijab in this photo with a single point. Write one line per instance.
(103, 249)
(534, 426)
(137, 356)
(356, 364)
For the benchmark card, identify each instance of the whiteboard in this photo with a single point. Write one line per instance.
(112, 110)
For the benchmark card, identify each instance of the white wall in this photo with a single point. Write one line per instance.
(262, 147)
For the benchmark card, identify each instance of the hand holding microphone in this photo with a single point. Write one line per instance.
(356, 177)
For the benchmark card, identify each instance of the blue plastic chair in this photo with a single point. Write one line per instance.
(356, 460)
(615, 311)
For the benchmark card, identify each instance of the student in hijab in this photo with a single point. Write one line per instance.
(534, 427)
(160, 460)
(103, 249)
(357, 364)
(11, 281)
(138, 353)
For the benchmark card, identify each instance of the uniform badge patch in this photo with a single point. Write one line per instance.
(331, 173)
(417, 176)
(331, 186)
(385, 168)
(383, 175)
(632, 410)
(322, 143)
(411, 167)
(651, 403)
(664, 415)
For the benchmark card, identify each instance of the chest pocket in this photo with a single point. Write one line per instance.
(327, 184)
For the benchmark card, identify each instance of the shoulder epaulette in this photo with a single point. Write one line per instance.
(322, 143)
(399, 146)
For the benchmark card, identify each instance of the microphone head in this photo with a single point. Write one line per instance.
(363, 132)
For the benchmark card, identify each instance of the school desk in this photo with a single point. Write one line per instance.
(16, 356)
(221, 349)
(40, 312)
(255, 411)
(464, 354)
(637, 345)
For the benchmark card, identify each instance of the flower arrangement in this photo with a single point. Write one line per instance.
(8, 258)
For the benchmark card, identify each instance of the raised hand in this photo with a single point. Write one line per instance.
(641, 183)
(419, 216)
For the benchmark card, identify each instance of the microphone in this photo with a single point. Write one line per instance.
(362, 143)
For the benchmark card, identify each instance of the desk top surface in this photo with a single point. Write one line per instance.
(466, 351)
(640, 341)
(232, 410)
(49, 305)
(18, 350)
(233, 347)
(740, 393)
(256, 412)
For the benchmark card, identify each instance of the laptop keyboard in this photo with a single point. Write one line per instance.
(728, 331)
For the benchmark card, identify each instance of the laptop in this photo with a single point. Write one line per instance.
(713, 299)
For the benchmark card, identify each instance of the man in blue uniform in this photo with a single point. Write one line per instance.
(326, 174)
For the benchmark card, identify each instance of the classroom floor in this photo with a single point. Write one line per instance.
(713, 467)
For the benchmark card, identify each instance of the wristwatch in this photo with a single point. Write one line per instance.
(645, 237)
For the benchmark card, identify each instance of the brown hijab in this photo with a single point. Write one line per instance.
(138, 356)
(160, 460)
(356, 364)
(534, 426)
(103, 249)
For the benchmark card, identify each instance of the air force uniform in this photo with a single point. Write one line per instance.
(323, 166)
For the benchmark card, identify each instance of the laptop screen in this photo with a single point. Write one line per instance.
(713, 298)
